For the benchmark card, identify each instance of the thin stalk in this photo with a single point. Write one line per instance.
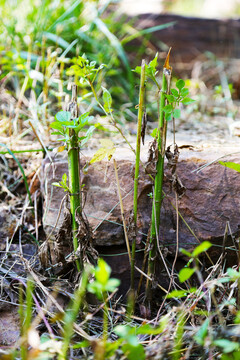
(122, 211)
(158, 183)
(105, 322)
(74, 174)
(137, 162)
(113, 121)
(72, 312)
(25, 314)
(178, 337)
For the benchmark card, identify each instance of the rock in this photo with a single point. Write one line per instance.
(192, 36)
(211, 199)
(100, 198)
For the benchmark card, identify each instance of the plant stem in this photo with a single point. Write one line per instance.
(112, 120)
(122, 210)
(72, 312)
(74, 174)
(137, 162)
(158, 183)
(105, 322)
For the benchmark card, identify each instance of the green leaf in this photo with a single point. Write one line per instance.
(184, 92)
(153, 64)
(176, 113)
(96, 288)
(56, 125)
(64, 178)
(122, 330)
(168, 116)
(185, 274)
(227, 345)
(231, 165)
(187, 101)
(176, 294)
(175, 93)
(111, 348)
(149, 330)
(63, 116)
(58, 133)
(234, 275)
(137, 69)
(168, 108)
(81, 344)
(180, 84)
(185, 252)
(204, 246)
(202, 333)
(107, 98)
(134, 352)
(170, 98)
(154, 133)
(56, 184)
(112, 284)
(102, 272)
(88, 135)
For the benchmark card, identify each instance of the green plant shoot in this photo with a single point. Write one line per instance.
(68, 125)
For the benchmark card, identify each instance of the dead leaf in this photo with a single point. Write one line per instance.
(152, 158)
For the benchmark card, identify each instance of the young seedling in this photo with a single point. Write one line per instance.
(100, 287)
(158, 183)
(168, 110)
(68, 124)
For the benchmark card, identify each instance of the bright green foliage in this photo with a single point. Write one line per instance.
(177, 294)
(176, 97)
(63, 123)
(231, 165)
(72, 312)
(202, 333)
(84, 69)
(102, 283)
(204, 246)
(151, 70)
(107, 99)
(131, 347)
(233, 274)
(62, 184)
(228, 346)
(187, 272)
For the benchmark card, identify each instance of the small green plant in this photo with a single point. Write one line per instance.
(169, 101)
(178, 96)
(141, 106)
(100, 287)
(72, 312)
(68, 125)
(63, 123)
(187, 272)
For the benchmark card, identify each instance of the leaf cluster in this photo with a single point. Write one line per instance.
(62, 184)
(84, 69)
(63, 123)
(102, 283)
(177, 96)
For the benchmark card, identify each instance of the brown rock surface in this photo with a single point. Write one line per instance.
(211, 199)
(193, 36)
